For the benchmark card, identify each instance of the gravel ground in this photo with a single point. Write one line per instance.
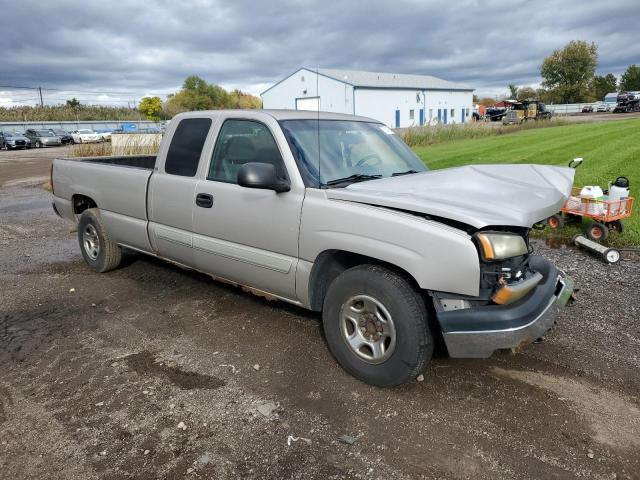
(151, 371)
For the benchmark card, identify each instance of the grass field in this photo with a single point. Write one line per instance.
(609, 149)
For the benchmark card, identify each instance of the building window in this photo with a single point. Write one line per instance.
(453, 113)
(411, 114)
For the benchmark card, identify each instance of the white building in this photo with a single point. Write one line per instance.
(397, 100)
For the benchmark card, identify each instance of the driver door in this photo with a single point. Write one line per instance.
(245, 235)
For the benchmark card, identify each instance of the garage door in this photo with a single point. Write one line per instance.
(312, 103)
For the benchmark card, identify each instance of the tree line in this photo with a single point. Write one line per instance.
(195, 94)
(569, 76)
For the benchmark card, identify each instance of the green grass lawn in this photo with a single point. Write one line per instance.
(609, 149)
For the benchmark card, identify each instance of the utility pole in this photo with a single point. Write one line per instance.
(40, 91)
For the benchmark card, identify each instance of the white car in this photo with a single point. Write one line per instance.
(86, 136)
(105, 135)
(603, 107)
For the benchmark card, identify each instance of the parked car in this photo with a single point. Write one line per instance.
(42, 138)
(393, 255)
(603, 107)
(85, 135)
(65, 137)
(105, 135)
(13, 140)
(587, 109)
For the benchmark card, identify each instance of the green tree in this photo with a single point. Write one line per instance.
(73, 103)
(151, 107)
(601, 85)
(513, 91)
(568, 72)
(630, 79)
(197, 94)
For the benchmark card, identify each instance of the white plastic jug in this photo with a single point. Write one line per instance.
(619, 190)
(592, 197)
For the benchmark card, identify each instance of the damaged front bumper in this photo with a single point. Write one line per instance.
(478, 332)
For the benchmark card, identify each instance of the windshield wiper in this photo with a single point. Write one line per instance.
(356, 177)
(397, 174)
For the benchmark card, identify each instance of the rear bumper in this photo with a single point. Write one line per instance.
(478, 332)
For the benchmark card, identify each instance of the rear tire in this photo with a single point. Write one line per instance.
(372, 305)
(99, 252)
(616, 226)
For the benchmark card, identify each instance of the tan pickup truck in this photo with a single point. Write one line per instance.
(334, 213)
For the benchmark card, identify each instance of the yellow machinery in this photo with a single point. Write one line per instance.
(524, 111)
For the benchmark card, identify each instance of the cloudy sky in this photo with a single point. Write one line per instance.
(117, 51)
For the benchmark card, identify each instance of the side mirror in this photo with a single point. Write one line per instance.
(261, 175)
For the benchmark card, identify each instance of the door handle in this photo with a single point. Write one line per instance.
(204, 200)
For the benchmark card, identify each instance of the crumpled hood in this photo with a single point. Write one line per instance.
(479, 195)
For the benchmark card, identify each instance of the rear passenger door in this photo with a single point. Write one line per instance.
(246, 235)
(172, 191)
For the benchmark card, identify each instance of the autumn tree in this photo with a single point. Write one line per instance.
(527, 93)
(569, 71)
(487, 101)
(151, 107)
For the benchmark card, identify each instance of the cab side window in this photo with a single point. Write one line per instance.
(240, 142)
(186, 146)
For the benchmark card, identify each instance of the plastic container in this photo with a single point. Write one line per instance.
(618, 192)
(592, 199)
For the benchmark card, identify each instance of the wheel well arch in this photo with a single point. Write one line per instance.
(331, 263)
(80, 203)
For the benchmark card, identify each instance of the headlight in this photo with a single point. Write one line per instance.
(498, 246)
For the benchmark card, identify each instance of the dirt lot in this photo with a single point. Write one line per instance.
(151, 371)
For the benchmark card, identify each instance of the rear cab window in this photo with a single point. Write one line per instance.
(186, 146)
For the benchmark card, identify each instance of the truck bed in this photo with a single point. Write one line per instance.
(117, 185)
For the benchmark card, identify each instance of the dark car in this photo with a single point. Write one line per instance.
(587, 109)
(42, 138)
(65, 137)
(13, 140)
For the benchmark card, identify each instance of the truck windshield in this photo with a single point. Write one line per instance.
(349, 150)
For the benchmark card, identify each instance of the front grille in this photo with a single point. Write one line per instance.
(20, 143)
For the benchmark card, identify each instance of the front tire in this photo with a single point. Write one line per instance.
(597, 231)
(376, 325)
(99, 252)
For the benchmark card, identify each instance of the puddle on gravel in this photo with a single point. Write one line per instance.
(614, 418)
(144, 363)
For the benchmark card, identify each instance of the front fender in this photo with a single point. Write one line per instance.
(437, 256)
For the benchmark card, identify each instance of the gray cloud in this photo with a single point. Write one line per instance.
(149, 47)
